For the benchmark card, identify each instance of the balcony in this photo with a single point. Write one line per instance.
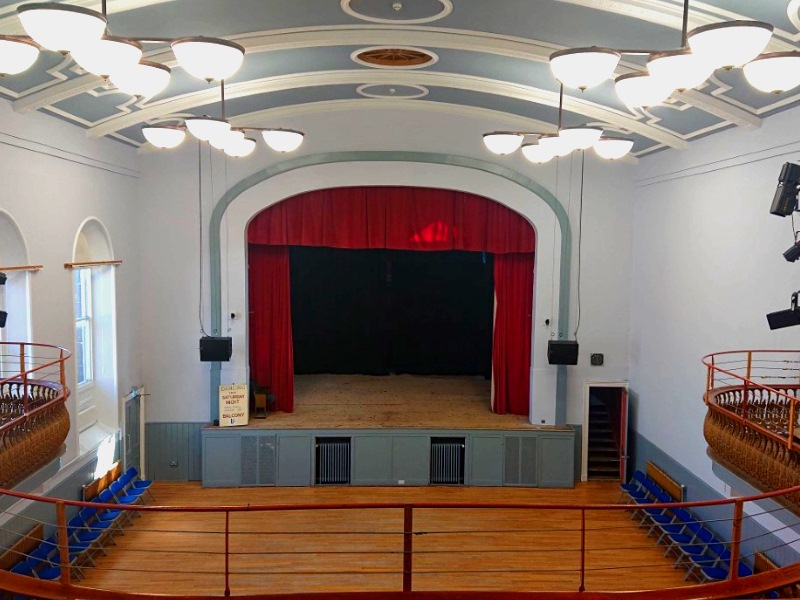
(34, 421)
(752, 420)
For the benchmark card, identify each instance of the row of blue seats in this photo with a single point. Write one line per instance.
(88, 532)
(696, 547)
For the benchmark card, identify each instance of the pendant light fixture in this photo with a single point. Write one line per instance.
(775, 72)
(536, 153)
(730, 44)
(108, 55)
(637, 90)
(612, 148)
(144, 79)
(204, 128)
(240, 148)
(208, 58)
(555, 144)
(580, 138)
(502, 142)
(61, 27)
(583, 68)
(16, 54)
(678, 69)
(164, 136)
(282, 140)
(228, 138)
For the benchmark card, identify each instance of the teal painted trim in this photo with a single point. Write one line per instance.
(374, 156)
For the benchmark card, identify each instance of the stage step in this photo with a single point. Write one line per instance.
(603, 451)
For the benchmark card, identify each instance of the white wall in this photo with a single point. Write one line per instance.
(708, 266)
(53, 179)
(169, 202)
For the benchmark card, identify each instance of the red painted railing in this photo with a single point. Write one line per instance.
(734, 586)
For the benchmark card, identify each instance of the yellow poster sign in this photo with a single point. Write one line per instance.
(233, 405)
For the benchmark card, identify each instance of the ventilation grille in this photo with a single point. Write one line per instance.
(447, 461)
(332, 461)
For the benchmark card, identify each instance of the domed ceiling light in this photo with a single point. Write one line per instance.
(678, 69)
(775, 72)
(580, 138)
(730, 44)
(640, 89)
(240, 148)
(208, 58)
(583, 68)
(556, 144)
(230, 137)
(16, 54)
(613, 148)
(107, 55)
(205, 128)
(502, 142)
(536, 153)
(282, 140)
(144, 79)
(164, 136)
(61, 27)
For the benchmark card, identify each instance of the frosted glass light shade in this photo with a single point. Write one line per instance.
(583, 67)
(730, 44)
(208, 58)
(282, 140)
(144, 79)
(240, 148)
(775, 72)
(206, 128)
(556, 144)
(61, 27)
(16, 55)
(164, 136)
(107, 55)
(536, 153)
(678, 69)
(230, 137)
(641, 89)
(580, 138)
(612, 148)
(502, 142)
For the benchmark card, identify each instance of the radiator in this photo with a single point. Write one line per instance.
(447, 461)
(333, 461)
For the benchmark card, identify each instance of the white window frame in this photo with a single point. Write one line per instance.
(83, 280)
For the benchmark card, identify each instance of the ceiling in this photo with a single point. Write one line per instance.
(489, 59)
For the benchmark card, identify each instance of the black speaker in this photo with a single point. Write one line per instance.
(215, 349)
(562, 352)
(3, 316)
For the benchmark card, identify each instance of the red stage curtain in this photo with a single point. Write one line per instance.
(396, 218)
(511, 350)
(271, 353)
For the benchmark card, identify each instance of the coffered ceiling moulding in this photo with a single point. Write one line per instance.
(357, 77)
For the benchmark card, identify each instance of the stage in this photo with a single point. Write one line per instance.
(393, 401)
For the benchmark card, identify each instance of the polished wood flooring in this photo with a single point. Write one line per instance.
(395, 401)
(361, 549)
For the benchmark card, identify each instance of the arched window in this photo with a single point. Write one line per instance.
(15, 294)
(94, 294)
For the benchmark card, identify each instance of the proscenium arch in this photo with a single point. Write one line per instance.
(269, 172)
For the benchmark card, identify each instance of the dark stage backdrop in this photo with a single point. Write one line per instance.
(376, 312)
(391, 218)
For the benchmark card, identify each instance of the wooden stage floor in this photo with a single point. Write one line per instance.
(395, 401)
(361, 549)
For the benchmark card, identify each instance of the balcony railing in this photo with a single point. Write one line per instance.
(34, 421)
(753, 411)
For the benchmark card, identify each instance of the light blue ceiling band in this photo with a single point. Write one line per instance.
(376, 156)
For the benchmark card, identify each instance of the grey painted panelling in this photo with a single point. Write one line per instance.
(486, 460)
(755, 537)
(174, 451)
(294, 459)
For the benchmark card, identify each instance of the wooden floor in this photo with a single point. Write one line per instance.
(361, 549)
(396, 401)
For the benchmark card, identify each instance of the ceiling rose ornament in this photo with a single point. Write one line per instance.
(16, 55)
(584, 68)
(107, 55)
(387, 92)
(409, 12)
(396, 57)
(144, 79)
(774, 72)
(208, 58)
(61, 27)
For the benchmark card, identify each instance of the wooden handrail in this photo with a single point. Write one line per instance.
(92, 263)
(22, 268)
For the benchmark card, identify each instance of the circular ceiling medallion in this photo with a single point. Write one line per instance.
(384, 91)
(394, 58)
(409, 12)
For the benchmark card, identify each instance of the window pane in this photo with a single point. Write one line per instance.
(83, 351)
